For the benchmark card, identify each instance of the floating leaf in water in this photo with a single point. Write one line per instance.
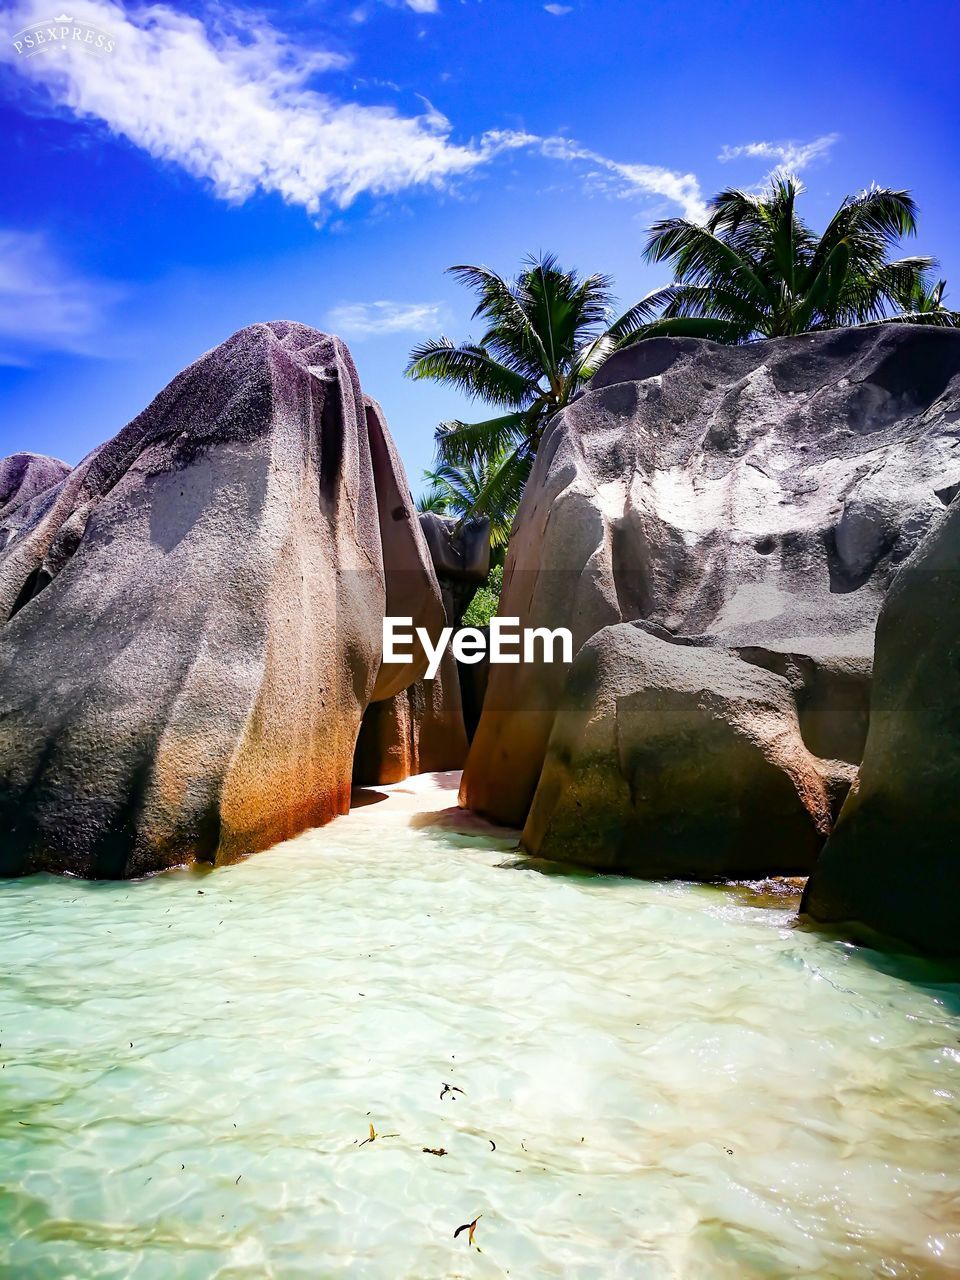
(469, 1227)
(374, 1136)
(434, 1151)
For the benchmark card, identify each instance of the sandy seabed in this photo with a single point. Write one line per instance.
(642, 1080)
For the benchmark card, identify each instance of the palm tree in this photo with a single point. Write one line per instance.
(434, 499)
(547, 332)
(455, 487)
(923, 304)
(756, 270)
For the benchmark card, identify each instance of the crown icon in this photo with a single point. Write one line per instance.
(62, 17)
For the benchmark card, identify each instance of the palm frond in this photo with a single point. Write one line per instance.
(941, 319)
(433, 499)
(699, 256)
(461, 443)
(563, 309)
(712, 300)
(511, 331)
(471, 369)
(821, 303)
(759, 269)
(641, 313)
(501, 491)
(713, 328)
(871, 222)
(903, 279)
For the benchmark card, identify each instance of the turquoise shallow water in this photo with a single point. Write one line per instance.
(678, 1082)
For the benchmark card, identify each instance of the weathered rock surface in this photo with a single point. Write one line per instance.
(763, 495)
(461, 558)
(893, 861)
(422, 729)
(671, 759)
(25, 475)
(195, 617)
(473, 685)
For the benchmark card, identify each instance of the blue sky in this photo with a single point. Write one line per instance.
(324, 162)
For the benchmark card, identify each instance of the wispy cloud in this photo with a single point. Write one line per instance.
(790, 155)
(45, 305)
(558, 10)
(625, 180)
(234, 103)
(364, 11)
(372, 319)
(230, 103)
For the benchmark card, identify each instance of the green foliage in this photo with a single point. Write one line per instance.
(924, 305)
(433, 500)
(753, 270)
(756, 270)
(454, 490)
(485, 603)
(546, 332)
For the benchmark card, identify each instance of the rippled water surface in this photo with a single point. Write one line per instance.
(658, 1080)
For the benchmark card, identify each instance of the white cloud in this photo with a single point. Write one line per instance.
(44, 304)
(234, 103)
(362, 13)
(792, 156)
(626, 180)
(231, 104)
(371, 319)
(558, 10)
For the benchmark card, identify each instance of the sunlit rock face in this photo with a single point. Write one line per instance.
(25, 475)
(460, 550)
(673, 759)
(194, 617)
(419, 730)
(422, 728)
(892, 861)
(762, 496)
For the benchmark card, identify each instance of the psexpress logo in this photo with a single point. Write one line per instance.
(62, 33)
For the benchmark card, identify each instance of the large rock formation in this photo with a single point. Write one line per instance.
(761, 495)
(461, 557)
(420, 730)
(423, 729)
(25, 475)
(893, 863)
(669, 758)
(194, 617)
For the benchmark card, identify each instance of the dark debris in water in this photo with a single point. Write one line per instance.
(469, 1227)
